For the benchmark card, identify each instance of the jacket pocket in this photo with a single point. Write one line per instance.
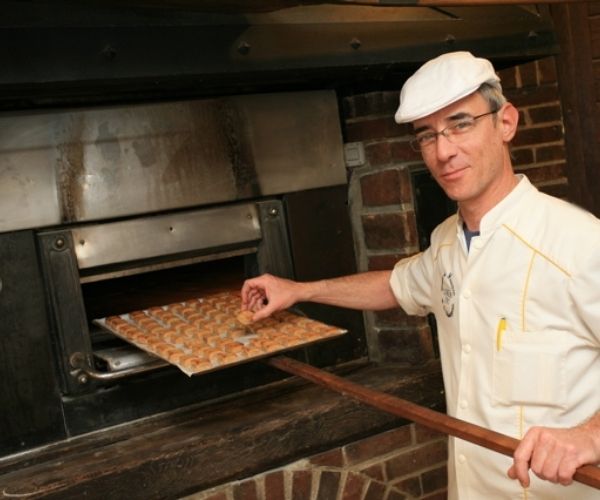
(529, 368)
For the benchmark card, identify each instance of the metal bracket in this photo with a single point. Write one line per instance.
(83, 368)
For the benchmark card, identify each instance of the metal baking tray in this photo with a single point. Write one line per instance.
(205, 334)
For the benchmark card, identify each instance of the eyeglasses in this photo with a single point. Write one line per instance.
(455, 133)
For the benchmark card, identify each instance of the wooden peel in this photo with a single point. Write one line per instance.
(440, 422)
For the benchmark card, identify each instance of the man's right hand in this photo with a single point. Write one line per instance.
(267, 294)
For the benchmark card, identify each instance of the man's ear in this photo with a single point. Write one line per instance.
(509, 119)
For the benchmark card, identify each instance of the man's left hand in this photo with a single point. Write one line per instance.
(555, 454)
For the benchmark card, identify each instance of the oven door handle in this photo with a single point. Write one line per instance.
(85, 371)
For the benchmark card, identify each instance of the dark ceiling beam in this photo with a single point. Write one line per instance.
(56, 56)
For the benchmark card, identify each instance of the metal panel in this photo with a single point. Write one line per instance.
(28, 180)
(149, 237)
(29, 392)
(93, 164)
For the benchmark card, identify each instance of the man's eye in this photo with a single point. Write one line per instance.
(425, 138)
(462, 126)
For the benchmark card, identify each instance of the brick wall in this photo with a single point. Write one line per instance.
(408, 462)
(404, 463)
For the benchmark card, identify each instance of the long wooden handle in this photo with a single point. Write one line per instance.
(437, 421)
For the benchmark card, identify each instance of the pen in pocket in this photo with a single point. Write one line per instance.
(499, 333)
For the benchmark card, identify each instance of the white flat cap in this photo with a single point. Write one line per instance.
(442, 81)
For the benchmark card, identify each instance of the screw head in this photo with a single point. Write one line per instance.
(244, 48)
(355, 43)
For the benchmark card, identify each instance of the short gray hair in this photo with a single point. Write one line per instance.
(492, 93)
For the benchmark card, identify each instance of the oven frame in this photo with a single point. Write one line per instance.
(63, 276)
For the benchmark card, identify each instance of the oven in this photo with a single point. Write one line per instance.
(133, 207)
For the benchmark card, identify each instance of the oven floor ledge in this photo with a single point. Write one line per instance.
(194, 448)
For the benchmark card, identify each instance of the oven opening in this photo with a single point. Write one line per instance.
(124, 294)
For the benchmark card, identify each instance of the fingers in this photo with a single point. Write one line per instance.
(257, 298)
(520, 468)
(250, 289)
(552, 454)
(265, 295)
(254, 292)
(554, 460)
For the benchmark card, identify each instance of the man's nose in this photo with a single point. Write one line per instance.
(444, 148)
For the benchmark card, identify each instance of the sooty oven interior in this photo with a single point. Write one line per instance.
(154, 152)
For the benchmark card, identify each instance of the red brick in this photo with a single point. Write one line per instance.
(533, 95)
(560, 190)
(402, 151)
(399, 319)
(387, 187)
(384, 262)
(375, 491)
(440, 495)
(373, 129)
(547, 70)
(331, 458)
(389, 231)
(391, 101)
(508, 78)
(411, 486)
(435, 479)
(546, 173)
(379, 153)
(423, 434)
(381, 444)
(413, 461)
(245, 491)
(380, 103)
(275, 486)
(394, 495)
(301, 484)
(550, 153)
(221, 495)
(411, 346)
(353, 486)
(522, 156)
(329, 484)
(361, 105)
(538, 135)
(528, 73)
(374, 471)
(549, 113)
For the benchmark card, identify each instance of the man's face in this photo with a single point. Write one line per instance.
(475, 167)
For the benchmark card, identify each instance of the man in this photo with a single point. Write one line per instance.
(514, 282)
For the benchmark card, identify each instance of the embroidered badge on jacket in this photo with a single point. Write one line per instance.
(448, 294)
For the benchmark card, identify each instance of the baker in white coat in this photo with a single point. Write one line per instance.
(513, 280)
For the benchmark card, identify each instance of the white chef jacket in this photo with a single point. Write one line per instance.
(518, 321)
